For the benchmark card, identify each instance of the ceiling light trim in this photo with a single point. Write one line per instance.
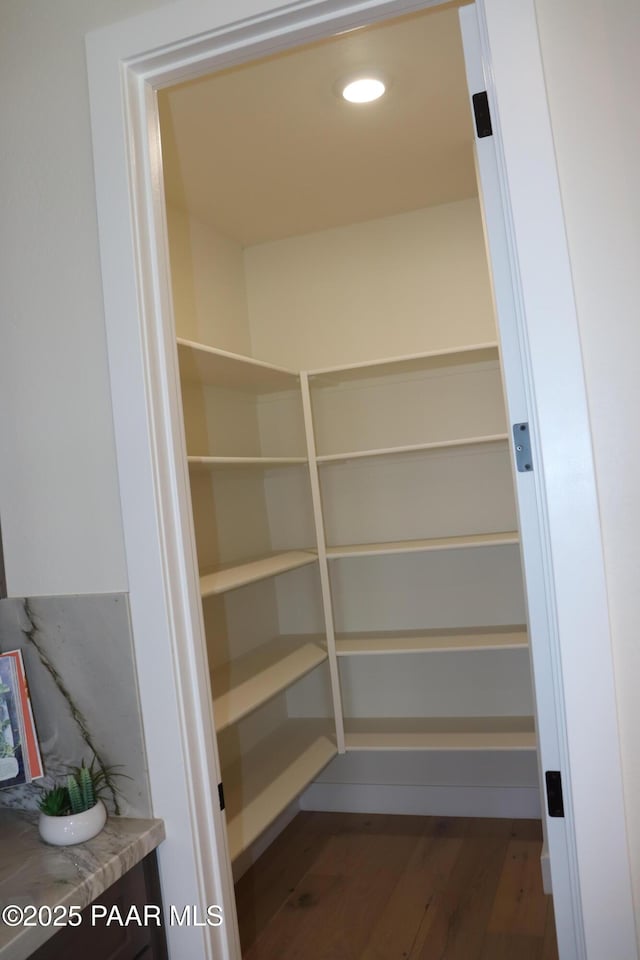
(365, 88)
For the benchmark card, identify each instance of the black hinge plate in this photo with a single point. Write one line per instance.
(555, 803)
(482, 114)
(221, 795)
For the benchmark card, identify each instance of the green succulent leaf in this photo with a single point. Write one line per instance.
(75, 795)
(86, 787)
(55, 802)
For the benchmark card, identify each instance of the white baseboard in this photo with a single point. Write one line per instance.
(438, 801)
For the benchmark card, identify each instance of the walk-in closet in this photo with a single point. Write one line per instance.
(346, 438)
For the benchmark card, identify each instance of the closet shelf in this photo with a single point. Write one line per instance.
(422, 546)
(409, 363)
(206, 463)
(230, 577)
(243, 685)
(441, 733)
(218, 368)
(432, 641)
(413, 448)
(263, 784)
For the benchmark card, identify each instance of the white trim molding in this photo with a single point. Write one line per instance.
(559, 515)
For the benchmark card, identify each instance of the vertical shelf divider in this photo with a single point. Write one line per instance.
(322, 560)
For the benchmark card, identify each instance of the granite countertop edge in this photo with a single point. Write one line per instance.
(34, 873)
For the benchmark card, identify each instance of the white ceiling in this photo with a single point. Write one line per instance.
(268, 149)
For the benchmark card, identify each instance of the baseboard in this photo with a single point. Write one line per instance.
(439, 801)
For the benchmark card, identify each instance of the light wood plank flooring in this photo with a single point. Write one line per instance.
(363, 887)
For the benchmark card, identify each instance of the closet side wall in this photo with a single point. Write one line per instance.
(207, 276)
(210, 307)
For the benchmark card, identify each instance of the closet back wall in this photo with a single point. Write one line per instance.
(335, 296)
(404, 284)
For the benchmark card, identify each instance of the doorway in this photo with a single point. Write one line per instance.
(355, 526)
(142, 73)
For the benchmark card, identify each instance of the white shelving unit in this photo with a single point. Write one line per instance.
(207, 365)
(498, 438)
(442, 733)
(242, 574)
(263, 777)
(244, 684)
(208, 463)
(422, 546)
(432, 641)
(351, 407)
(248, 673)
(430, 360)
(265, 781)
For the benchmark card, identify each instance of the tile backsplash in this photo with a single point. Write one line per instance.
(79, 660)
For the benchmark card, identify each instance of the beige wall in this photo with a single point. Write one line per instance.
(59, 500)
(207, 278)
(58, 483)
(401, 276)
(591, 52)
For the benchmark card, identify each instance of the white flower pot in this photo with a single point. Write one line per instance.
(76, 828)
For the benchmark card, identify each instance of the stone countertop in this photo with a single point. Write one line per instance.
(33, 873)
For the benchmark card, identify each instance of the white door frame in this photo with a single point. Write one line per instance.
(544, 385)
(127, 63)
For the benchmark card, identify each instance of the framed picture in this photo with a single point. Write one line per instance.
(20, 760)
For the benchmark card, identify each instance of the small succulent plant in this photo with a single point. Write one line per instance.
(82, 788)
(101, 777)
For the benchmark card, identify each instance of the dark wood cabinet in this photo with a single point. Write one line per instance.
(113, 941)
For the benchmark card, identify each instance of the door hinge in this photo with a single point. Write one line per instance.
(522, 443)
(221, 795)
(482, 114)
(555, 803)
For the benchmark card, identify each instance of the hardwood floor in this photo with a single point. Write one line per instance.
(362, 887)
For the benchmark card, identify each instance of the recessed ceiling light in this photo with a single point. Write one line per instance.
(363, 90)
